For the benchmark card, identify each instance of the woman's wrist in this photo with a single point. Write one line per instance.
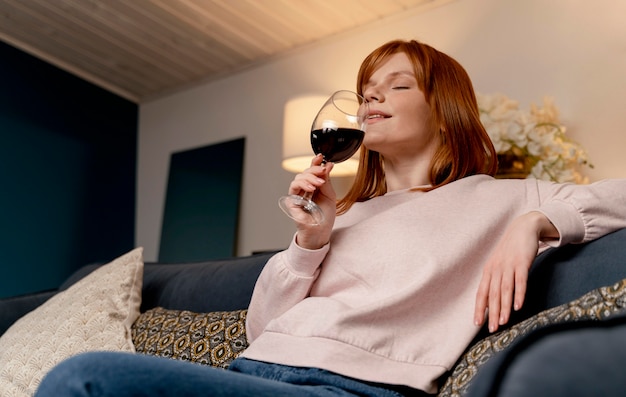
(544, 227)
(313, 243)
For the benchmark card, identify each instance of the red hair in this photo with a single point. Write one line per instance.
(465, 147)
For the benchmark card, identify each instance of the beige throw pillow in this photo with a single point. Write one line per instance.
(96, 313)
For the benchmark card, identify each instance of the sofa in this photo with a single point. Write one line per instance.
(568, 340)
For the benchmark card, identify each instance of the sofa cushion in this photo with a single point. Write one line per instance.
(94, 314)
(215, 338)
(600, 304)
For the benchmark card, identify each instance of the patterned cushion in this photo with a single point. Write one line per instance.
(96, 313)
(215, 338)
(598, 304)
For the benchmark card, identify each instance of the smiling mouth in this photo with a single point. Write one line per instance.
(377, 116)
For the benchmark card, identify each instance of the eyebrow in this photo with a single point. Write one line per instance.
(401, 72)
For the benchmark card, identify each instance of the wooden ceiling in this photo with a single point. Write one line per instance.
(142, 49)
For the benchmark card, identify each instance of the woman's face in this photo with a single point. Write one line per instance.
(400, 124)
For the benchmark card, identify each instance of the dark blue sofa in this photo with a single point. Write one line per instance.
(576, 358)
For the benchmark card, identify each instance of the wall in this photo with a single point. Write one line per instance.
(572, 50)
(67, 174)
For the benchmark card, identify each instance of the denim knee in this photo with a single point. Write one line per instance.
(75, 376)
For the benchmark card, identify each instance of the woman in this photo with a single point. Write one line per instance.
(382, 299)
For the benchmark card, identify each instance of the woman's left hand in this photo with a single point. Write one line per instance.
(505, 275)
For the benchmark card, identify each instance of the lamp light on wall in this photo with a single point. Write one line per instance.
(297, 152)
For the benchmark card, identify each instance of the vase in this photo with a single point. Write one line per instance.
(512, 165)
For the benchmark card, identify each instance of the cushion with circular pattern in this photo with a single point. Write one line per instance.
(215, 338)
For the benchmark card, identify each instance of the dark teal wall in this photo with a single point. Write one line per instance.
(67, 173)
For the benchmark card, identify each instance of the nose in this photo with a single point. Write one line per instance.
(372, 94)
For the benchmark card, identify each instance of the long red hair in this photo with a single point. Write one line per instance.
(465, 148)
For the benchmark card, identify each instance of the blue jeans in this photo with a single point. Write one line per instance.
(108, 374)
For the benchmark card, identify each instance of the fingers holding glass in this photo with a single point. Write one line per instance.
(336, 134)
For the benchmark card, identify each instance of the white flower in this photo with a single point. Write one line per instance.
(536, 134)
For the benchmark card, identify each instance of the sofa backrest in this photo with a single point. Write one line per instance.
(204, 286)
(219, 285)
(556, 277)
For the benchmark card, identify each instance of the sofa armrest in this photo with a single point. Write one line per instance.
(563, 274)
(11, 309)
(574, 359)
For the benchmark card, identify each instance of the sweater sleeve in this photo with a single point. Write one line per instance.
(582, 213)
(285, 280)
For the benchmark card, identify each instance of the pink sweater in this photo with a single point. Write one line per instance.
(391, 298)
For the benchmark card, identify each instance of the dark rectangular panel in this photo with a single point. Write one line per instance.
(202, 203)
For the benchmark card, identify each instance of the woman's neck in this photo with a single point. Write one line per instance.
(406, 175)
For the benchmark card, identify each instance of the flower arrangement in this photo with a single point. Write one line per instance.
(532, 143)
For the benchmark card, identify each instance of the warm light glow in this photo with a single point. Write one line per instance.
(297, 152)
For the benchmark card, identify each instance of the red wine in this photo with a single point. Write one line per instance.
(336, 145)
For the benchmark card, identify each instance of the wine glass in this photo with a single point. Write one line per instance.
(336, 133)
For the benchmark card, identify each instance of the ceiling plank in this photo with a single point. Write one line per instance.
(141, 49)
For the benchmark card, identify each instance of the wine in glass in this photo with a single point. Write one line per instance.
(336, 133)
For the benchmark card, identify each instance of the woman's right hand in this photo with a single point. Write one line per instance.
(316, 179)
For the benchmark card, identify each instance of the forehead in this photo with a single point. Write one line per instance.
(395, 65)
